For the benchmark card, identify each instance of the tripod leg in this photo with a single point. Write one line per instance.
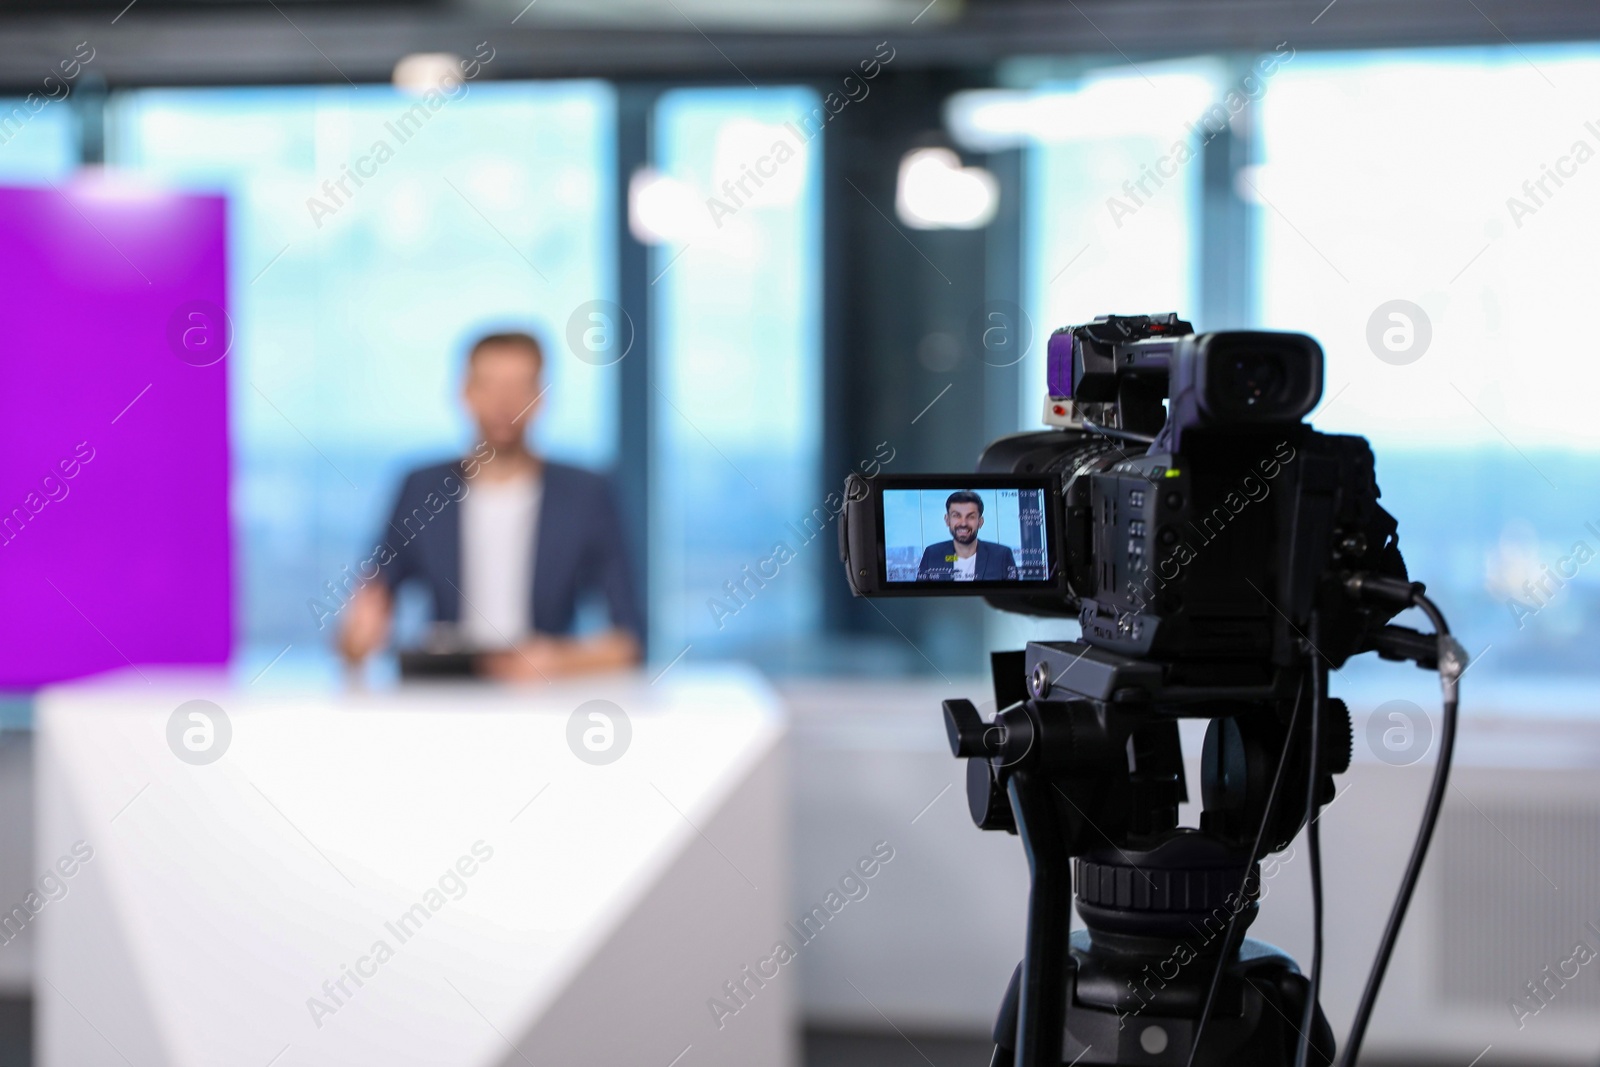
(1005, 1025)
(1292, 991)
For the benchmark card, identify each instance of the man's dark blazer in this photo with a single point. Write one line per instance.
(579, 548)
(995, 563)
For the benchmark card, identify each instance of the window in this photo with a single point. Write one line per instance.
(1415, 211)
(1421, 215)
(38, 141)
(736, 557)
(352, 300)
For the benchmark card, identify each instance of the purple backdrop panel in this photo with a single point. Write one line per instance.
(114, 538)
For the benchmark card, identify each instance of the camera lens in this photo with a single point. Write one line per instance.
(1253, 376)
(1257, 378)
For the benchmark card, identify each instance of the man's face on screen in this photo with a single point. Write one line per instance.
(964, 521)
(502, 393)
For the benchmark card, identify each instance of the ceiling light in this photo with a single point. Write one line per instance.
(661, 208)
(420, 72)
(935, 192)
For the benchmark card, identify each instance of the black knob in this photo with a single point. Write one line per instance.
(966, 729)
(986, 798)
(1338, 737)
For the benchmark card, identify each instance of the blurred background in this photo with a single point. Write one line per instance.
(959, 179)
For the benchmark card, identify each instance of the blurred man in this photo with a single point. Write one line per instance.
(505, 542)
(964, 558)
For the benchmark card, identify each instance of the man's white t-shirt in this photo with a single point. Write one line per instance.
(966, 570)
(499, 526)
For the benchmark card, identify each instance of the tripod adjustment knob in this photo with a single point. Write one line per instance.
(969, 735)
(1338, 738)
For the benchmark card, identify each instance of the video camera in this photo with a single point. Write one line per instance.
(1220, 557)
(1202, 536)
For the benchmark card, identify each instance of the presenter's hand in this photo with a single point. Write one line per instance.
(543, 658)
(536, 659)
(366, 623)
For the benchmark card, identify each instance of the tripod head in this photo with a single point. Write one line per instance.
(1084, 761)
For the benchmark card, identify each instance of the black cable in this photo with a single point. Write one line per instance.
(1451, 663)
(1319, 695)
(1308, 1017)
(1244, 886)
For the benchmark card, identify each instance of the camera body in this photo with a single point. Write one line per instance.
(1193, 517)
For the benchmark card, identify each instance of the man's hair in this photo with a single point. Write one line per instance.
(964, 496)
(526, 341)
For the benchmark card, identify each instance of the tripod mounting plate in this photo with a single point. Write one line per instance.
(1074, 670)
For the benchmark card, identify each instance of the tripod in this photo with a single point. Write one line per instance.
(1083, 762)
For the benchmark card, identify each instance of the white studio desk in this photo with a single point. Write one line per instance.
(533, 908)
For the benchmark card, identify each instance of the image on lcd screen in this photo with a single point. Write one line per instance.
(964, 535)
